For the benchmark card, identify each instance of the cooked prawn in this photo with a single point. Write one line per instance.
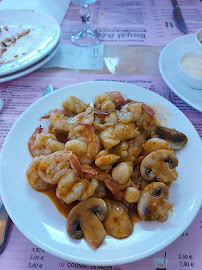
(56, 166)
(92, 144)
(89, 172)
(120, 132)
(105, 160)
(58, 120)
(70, 188)
(108, 106)
(74, 105)
(77, 123)
(146, 124)
(130, 112)
(85, 151)
(35, 181)
(43, 143)
(102, 123)
(155, 144)
(106, 178)
(129, 150)
(115, 96)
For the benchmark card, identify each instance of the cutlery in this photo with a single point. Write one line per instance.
(179, 18)
(4, 217)
(1, 104)
(4, 225)
(49, 89)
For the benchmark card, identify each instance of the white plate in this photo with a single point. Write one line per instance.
(45, 30)
(31, 68)
(168, 65)
(36, 216)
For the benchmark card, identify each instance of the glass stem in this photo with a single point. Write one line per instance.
(84, 13)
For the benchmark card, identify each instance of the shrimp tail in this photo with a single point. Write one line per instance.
(100, 113)
(119, 98)
(148, 109)
(32, 139)
(89, 171)
(113, 187)
(48, 114)
(76, 166)
(93, 144)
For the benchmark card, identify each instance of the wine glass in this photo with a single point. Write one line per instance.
(85, 37)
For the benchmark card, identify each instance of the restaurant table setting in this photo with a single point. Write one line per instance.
(138, 48)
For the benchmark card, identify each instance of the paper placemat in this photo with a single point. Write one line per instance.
(140, 22)
(20, 253)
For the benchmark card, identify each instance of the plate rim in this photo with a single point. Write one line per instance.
(198, 108)
(36, 59)
(121, 261)
(33, 67)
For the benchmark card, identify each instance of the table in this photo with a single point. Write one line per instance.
(136, 64)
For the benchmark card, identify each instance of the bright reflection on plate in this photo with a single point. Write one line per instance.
(111, 63)
(55, 235)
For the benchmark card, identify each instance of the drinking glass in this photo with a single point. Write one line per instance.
(85, 37)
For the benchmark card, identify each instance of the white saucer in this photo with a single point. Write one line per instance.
(168, 65)
(44, 34)
(31, 68)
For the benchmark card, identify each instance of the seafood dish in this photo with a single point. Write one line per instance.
(107, 164)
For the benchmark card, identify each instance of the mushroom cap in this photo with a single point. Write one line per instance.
(152, 204)
(118, 223)
(86, 215)
(177, 140)
(159, 165)
(93, 229)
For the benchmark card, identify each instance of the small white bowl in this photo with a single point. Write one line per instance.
(189, 79)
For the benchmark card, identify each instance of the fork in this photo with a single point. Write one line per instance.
(1, 104)
(4, 225)
(164, 92)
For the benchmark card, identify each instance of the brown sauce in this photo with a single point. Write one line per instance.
(61, 136)
(168, 184)
(64, 208)
(61, 206)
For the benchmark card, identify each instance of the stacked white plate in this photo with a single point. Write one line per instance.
(30, 51)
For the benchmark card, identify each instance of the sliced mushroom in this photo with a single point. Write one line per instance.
(153, 203)
(118, 223)
(159, 165)
(176, 139)
(93, 229)
(85, 219)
